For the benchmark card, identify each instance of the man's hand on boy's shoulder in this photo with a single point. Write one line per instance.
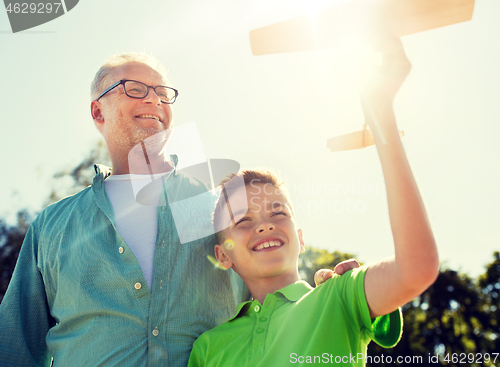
(323, 275)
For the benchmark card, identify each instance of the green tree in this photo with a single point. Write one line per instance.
(489, 283)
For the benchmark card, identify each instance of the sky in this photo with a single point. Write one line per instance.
(272, 110)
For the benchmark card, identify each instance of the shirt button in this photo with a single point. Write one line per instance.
(256, 308)
(263, 319)
(137, 285)
(155, 331)
(121, 250)
(260, 330)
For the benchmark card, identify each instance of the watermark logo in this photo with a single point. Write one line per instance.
(28, 14)
(331, 197)
(191, 197)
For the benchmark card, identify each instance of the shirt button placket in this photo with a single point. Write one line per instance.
(259, 336)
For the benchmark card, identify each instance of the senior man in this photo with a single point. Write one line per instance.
(103, 280)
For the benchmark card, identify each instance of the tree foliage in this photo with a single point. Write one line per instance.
(70, 181)
(313, 259)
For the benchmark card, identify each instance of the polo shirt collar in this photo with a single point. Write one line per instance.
(292, 293)
(295, 291)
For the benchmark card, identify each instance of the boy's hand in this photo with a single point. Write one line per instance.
(393, 67)
(384, 80)
(323, 275)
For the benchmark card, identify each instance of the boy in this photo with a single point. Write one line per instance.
(287, 322)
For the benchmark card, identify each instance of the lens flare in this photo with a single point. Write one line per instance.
(228, 244)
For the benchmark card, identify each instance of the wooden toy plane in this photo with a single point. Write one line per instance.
(329, 27)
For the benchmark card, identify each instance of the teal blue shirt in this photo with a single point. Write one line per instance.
(78, 293)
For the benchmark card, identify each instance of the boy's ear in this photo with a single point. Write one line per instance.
(222, 258)
(301, 241)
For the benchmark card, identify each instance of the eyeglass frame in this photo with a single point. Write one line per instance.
(122, 83)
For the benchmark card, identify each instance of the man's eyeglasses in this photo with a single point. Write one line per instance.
(135, 89)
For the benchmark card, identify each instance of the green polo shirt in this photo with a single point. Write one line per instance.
(298, 325)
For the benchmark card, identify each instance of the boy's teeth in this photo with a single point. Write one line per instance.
(268, 244)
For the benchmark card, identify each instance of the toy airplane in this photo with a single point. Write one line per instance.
(330, 27)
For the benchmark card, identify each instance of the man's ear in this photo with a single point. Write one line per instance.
(222, 258)
(96, 111)
(301, 241)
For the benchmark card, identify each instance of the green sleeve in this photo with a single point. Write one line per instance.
(384, 330)
(197, 357)
(24, 313)
(387, 329)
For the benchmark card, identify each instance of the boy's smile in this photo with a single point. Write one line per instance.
(263, 241)
(268, 244)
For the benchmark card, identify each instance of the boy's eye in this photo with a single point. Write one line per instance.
(278, 213)
(241, 220)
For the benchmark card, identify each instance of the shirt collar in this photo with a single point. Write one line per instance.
(102, 170)
(105, 171)
(295, 291)
(292, 293)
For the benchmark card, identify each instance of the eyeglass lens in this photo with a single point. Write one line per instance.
(140, 90)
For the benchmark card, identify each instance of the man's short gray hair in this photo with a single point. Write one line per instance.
(112, 62)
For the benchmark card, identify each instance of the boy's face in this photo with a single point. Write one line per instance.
(262, 242)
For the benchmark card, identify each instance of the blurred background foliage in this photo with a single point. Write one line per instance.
(456, 317)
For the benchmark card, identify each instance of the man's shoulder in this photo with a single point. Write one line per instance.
(81, 198)
(189, 180)
(182, 185)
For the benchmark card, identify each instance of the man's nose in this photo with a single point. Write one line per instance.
(265, 226)
(152, 97)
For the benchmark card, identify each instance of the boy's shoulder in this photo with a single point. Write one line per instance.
(299, 294)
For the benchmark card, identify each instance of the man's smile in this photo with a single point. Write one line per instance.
(149, 116)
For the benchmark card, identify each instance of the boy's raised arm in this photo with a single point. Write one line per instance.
(393, 282)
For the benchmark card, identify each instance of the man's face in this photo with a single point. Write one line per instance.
(128, 121)
(263, 242)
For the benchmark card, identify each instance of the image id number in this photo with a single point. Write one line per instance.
(26, 8)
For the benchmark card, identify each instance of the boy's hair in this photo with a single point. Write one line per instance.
(249, 176)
